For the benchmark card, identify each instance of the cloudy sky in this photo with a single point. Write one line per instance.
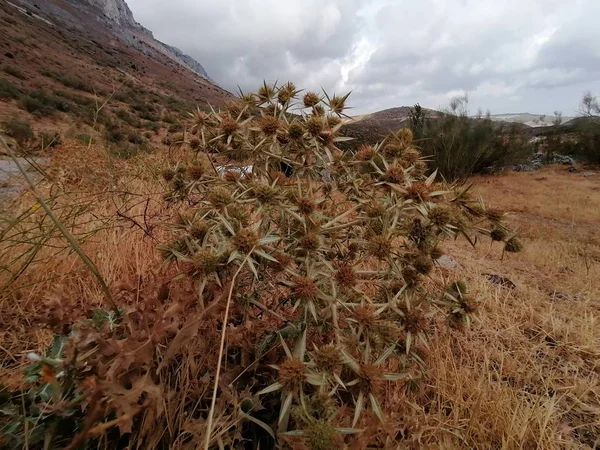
(509, 56)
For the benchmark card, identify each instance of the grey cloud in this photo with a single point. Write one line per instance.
(508, 55)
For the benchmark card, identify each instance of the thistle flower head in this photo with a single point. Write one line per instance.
(309, 242)
(245, 240)
(205, 262)
(513, 245)
(380, 247)
(229, 126)
(219, 197)
(304, 288)
(328, 359)
(440, 215)
(269, 125)
(498, 234)
(346, 276)
(366, 152)
(292, 374)
(311, 99)
(295, 131)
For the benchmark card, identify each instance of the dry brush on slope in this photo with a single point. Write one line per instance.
(305, 303)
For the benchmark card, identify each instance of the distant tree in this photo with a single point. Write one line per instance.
(589, 105)
(557, 118)
(416, 118)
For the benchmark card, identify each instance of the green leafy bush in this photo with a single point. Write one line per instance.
(459, 145)
(15, 72)
(9, 91)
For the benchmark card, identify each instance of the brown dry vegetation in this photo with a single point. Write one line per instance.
(524, 375)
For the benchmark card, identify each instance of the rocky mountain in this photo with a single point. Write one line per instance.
(531, 120)
(117, 17)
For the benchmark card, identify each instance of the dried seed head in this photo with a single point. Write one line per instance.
(195, 143)
(265, 93)
(494, 214)
(328, 359)
(418, 191)
(295, 131)
(219, 197)
(422, 264)
(371, 379)
(410, 156)
(365, 153)
(309, 242)
(318, 111)
(286, 93)
(393, 150)
(337, 104)
(311, 99)
(410, 275)
(315, 125)
(240, 214)
(365, 315)
(440, 215)
(196, 172)
(264, 193)
(457, 289)
(394, 174)
(513, 245)
(321, 435)
(199, 229)
(304, 288)
(380, 247)
(269, 125)
(229, 126)
(333, 121)
(346, 276)
(414, 320)
(245, 240)
(375, 210)
(205, 262)
(305, 206)
(436, 253)
(292, 374)
(498, 234)
(168, 174)
(283, 260)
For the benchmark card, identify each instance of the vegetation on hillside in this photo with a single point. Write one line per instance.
(286, 308)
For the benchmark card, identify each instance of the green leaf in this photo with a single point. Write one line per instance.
(57, 347)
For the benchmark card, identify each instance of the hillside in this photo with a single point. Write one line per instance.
(531, 120)
(87, 66)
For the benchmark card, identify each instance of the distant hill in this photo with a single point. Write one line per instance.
(531, 120)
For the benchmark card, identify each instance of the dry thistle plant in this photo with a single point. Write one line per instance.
(300, 287)
(334, 247)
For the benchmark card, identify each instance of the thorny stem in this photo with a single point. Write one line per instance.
(221, 346)
(70, 239)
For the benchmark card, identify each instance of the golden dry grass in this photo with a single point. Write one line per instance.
(526, 375)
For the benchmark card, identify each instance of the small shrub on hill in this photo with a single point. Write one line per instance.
(20, 130)
(14, 71)
(9, 91)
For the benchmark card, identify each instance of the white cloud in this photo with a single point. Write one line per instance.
(510, 55)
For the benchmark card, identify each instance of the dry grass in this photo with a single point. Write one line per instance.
(526, 375)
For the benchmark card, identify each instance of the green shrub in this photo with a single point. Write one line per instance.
(40, 103)
(70, 81)
(15, 72)
(175, 127)
(458, 145)
(19, 129)
(9, 91)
